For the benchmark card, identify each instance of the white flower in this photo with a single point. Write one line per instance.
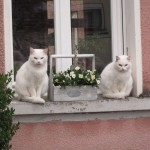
(98, 81)
(73, 75)
(77, 68)
(91, 72)
(56, 80)
(67, 75)
(63, 80)
(80, 76)
(93, 77)
(88, 79)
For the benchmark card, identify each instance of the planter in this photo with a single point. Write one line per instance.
(74, 93)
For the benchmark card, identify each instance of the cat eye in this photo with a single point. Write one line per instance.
(42, 57)
(35, 58)
(120, 65)
(126, 64)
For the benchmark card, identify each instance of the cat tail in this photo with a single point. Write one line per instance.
(114, 95)
(32, 99)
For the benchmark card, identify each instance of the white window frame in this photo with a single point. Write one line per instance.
(8, 35)
(116, 28)
(63, 34)
(132, 31)
(62, 29)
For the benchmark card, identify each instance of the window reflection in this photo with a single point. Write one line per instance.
(91, 30)
(33, 26)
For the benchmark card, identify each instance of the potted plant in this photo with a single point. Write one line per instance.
(75, 84)
(7, 127)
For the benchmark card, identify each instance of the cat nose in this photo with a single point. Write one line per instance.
(38, 62)
(123, 69)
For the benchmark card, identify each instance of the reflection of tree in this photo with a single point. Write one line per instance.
(29, 28)
(100, 45)
(51, 39)
(29, 25)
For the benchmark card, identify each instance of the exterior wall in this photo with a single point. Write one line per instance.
(145, 28)
(145, 23)
(2, 61)
(89, 135)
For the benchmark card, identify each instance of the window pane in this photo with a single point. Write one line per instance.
(91, 30)
(33, 26)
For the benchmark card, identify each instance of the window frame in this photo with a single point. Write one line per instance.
(131, 31)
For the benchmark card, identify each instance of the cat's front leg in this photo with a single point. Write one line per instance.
(124, 90)
(129, 87)
(39, 91)
(32, 97)
(32, 91)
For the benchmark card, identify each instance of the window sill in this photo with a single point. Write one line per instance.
(101, 105)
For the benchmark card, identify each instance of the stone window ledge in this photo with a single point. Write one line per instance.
(101, 105)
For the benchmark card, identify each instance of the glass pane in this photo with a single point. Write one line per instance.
(33, 26)
(91, 30)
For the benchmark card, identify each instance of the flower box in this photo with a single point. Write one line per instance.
(74, 93)
(75, 83)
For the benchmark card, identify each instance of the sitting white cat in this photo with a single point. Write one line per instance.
(32, 79)
(116, 78)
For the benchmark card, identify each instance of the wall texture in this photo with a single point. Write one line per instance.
(2, 61)
(88, 135)
(145, 29)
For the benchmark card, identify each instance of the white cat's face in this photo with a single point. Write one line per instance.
(38, 56)
(123, 63)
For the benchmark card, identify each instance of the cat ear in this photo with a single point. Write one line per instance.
(31, 50)
(117, 58)
(46, 50)
(129, 58)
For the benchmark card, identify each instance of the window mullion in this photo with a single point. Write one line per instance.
(8, 35)
(62, 32)
(116, 26)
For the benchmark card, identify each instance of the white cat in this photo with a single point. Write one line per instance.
(116, 79)
(32, 79)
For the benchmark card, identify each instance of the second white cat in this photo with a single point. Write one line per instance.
(32, 79)
(116, 79)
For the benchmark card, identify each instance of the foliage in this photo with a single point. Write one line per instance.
(93, 44)
(7, 127)
(76, 76)
(100, 45)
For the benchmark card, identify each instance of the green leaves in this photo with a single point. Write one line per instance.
(7, 127)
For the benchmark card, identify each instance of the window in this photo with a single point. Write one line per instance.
(33, 26)
(91, 30)
(55, 15)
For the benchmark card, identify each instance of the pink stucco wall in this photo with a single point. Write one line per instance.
(89, 135)
(145, 29)
(2, 62)
(86, 135)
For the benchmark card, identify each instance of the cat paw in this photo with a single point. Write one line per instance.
(40, 100)
(114, 96)
(120, 97)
